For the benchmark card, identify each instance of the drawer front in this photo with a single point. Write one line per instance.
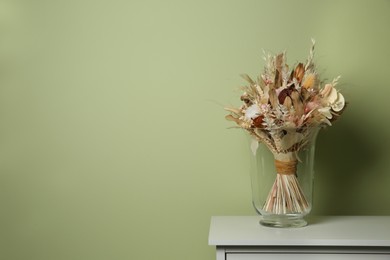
(309, 256)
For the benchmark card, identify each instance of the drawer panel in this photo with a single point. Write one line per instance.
(303, 256)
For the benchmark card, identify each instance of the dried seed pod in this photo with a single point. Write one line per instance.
(337, 114)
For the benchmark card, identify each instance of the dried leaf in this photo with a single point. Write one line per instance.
(278, 79)
(305, 95)
(297, 103)
(273, 98)
(287, 102)
(279, 61)
(299, 72)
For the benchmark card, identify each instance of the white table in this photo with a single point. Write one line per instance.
(330, 237)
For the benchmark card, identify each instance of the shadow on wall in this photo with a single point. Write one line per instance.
(350, 178)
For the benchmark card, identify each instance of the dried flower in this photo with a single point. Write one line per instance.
(282, 109)
(300, 94)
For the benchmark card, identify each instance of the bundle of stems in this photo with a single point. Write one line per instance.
(286, 195)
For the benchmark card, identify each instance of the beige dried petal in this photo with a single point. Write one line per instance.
(332, 96)
(326, 121)
(326, 112)
(339, 104)
(326, 90)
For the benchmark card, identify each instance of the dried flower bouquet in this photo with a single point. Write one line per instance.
(282, 109)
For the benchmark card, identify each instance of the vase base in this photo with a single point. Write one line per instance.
(283, 221)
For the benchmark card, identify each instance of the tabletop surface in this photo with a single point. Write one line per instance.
(321, 231)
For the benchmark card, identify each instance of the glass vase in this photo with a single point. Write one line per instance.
(282, 184)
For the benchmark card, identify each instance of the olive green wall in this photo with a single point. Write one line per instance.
(113, 143)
